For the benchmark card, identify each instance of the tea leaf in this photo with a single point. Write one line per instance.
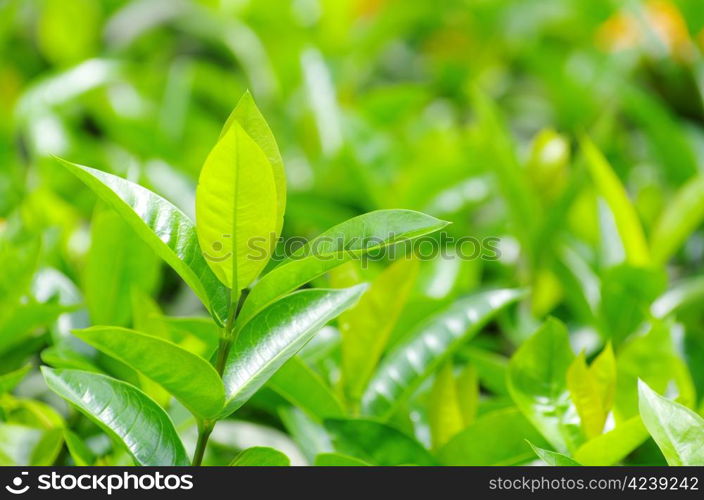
(610, 187)
(366, 328)
(247, 114)
(261, 456)
(337, 460)
(434, 341)
(479, 444)
(339, 244)
(118, 262)
(553, 458)
(537, 379)
(167, 230)
(275, 335)
(444, 413)
(586, 396)
(679, 219)
(678, 431)
(376, 443)
(613, 446)
(8, 381)
(122, 411)
(236, 209)
(304, 388)
(192, 380)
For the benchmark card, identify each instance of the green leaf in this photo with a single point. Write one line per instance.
(9, 381)
(305, 389)
(337, 460)
(610, 188)
(247, 114)
(77, 448)
(261, 456)
(339, 244)
(48, 448)
(686, 292)
(468, 394)
(678, 431)
(203, 329)
(275, 335)
(604, 370)
(537, 380)
(491, 369)
(376, 443)
(236, 209)
(498, 148)
(21, 445)
(366, 328)
(553, 458)
(613, 446)
(25, 320)
(444, 412)
(167, 230)
(434, 341)
(117, 263)
(192, 380)
(626, 294)
(586, 397)
(651, 357)
(496, 438)
(679, 219)
(124, 412)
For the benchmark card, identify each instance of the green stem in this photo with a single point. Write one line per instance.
(227, 339)
(204, 431)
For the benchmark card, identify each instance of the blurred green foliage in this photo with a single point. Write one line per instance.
(571, 130)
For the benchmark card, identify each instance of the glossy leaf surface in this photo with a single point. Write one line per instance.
(124, 412)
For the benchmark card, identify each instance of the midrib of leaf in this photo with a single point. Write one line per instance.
(234, 295)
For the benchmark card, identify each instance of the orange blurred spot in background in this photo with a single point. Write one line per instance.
(659, 29)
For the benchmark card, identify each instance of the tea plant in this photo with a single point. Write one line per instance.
(312, 313)
(240, 198)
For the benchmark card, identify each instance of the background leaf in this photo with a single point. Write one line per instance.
(537, 378)
(428, 346)
(678, 431)
(261, 456)
(376, 443)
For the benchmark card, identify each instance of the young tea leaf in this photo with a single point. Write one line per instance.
(444, 412)
(613, 446)
(236, 209)
(247, 114)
